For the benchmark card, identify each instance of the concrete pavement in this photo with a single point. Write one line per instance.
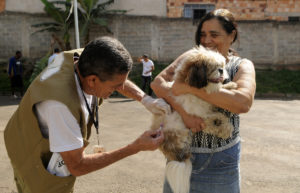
(270, 160)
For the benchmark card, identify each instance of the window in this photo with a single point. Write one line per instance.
(199, 13)
(196, 11)
(294, 18)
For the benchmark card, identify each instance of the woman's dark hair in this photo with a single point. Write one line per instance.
(226, 20)
(104, 57)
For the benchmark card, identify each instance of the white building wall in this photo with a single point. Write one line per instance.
(25, 6)
(134, 7)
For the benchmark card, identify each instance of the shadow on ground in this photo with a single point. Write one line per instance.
(8, 100)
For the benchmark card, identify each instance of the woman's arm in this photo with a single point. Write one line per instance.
(237, 100)
(162, 85)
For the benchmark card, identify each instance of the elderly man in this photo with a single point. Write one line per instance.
(54, 118)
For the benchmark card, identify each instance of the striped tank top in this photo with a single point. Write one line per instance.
(207, 143)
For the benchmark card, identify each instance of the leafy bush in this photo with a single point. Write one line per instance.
(4, 80)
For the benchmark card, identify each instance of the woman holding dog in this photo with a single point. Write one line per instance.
(215, 160)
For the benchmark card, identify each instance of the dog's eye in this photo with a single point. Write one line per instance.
(220, 70)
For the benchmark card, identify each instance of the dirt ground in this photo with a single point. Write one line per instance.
(270, 160)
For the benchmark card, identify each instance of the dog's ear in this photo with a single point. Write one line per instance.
(197, 76)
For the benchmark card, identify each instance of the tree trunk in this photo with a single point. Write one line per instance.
(87, 37)
(60, 43)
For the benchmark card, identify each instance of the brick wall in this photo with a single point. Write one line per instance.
(2, 5)
(244, 9)
(163, 39)
(264, 42)
(270, 43)
(17, 34)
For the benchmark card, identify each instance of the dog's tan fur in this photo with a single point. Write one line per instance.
(202, 69)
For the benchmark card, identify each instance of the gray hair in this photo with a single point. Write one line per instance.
(104, 57)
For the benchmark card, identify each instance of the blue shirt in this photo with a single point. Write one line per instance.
(15, 66)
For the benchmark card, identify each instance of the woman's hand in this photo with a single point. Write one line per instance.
(195, 124)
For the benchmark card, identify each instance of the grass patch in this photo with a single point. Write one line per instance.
(267, 81)
(279, 81)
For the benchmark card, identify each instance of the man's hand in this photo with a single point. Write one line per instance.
(156, 106)
(149, 140)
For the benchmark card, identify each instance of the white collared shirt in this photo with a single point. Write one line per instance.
(57, 122)
(147, 66)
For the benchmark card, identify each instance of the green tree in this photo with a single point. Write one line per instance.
(61, 12)
(92, 12)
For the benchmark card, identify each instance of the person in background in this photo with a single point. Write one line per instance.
(148, 67)
(216, 161)
(15, 73)
(52, 57)
(75, 57)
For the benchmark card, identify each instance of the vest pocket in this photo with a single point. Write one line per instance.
(38, 179)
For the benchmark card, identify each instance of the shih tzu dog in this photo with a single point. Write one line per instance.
(202, 68)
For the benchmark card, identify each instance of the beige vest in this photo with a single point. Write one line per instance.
(28, 150)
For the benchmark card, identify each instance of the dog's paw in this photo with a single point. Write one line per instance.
(230, 85)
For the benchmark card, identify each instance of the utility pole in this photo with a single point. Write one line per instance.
(76, 25)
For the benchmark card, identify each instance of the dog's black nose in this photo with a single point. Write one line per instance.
(221, 71)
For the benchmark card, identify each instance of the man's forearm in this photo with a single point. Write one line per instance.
(132, 91)
(79, 164)
(93, 162)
